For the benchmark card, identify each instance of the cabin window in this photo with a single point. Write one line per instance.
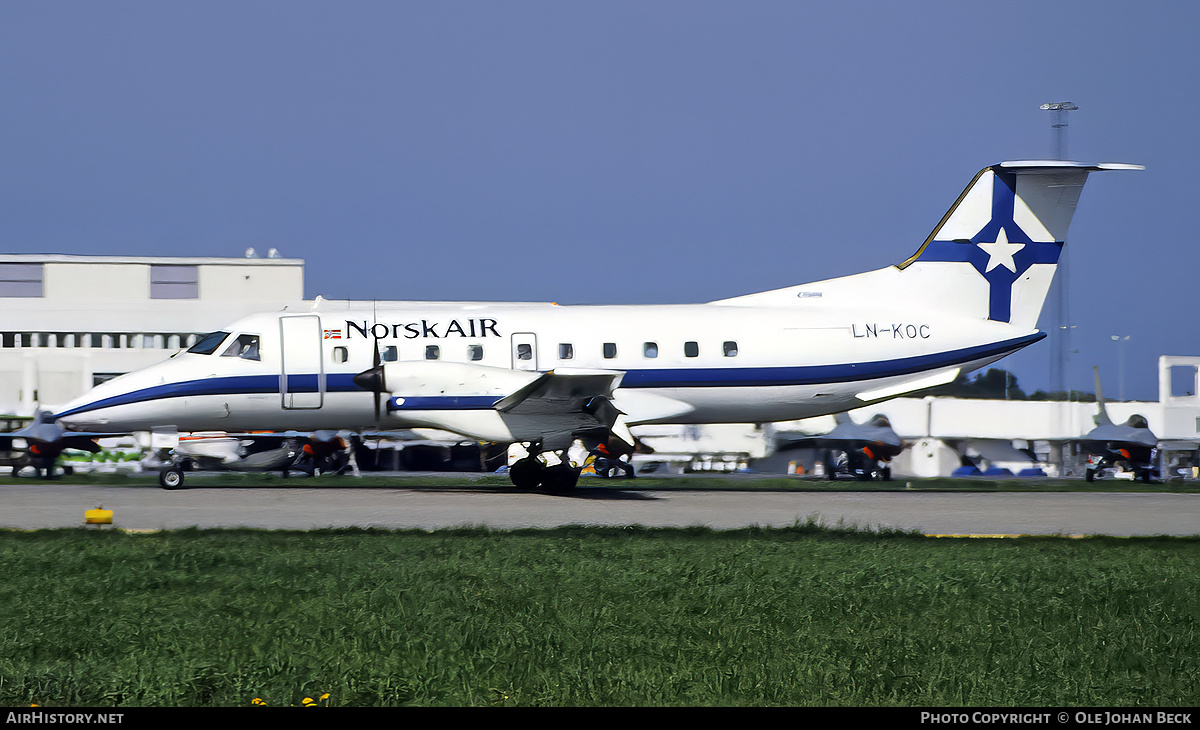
(341, 354)
(730, 348)
(389, 354)
(524, 351)
(610, 350)
(432, 352)
(650, 349)
(245, 347)
(691, 349)
(474, 352)
(207, 344)
(566, 351)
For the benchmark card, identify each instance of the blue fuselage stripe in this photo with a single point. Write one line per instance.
(644, 378)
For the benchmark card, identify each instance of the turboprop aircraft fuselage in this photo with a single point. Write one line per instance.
(681, 363)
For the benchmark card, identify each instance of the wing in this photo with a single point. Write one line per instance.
(502, 405)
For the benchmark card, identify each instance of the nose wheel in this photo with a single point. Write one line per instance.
(171, 478)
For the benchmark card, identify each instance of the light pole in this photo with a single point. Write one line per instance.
(1120, 364)
(1057, 374)
(1060, 109)
(1057, 369)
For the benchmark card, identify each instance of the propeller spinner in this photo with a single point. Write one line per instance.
(374, 380)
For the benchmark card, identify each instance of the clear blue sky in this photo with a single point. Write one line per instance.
(605, 152)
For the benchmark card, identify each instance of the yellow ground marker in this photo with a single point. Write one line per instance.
(98, 516)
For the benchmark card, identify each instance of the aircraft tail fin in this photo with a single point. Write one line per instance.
(1009, 226)
(1102, 418)
(992, 255)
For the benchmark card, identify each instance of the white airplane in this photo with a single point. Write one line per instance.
(544, 374)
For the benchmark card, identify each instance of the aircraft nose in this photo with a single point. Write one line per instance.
(77, 416)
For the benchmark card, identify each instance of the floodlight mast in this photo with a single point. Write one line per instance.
(1060, 109)
(1062, 335)
(1121, 364)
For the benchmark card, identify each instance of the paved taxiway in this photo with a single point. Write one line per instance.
(60, 504)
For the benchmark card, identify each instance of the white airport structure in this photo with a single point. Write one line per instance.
(70, 322)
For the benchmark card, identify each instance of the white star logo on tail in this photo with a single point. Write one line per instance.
(1001, 252)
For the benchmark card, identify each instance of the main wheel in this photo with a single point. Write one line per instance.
(171, 478)
(560, 478)
(526, 473)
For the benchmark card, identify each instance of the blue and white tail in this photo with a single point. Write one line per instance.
(992, 256)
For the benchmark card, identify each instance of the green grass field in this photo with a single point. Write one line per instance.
(596, 617)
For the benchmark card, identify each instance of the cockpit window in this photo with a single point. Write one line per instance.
(209, 343)
(245, 347)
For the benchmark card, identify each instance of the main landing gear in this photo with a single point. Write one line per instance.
(532, 472)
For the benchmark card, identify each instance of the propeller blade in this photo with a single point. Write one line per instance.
(374, 380)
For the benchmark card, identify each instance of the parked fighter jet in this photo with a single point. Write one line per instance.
(1129, 447)
(42, 441)
(863, 451)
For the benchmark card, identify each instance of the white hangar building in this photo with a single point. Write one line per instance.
(69, 322)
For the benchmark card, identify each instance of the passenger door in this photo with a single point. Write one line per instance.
(302, 375)
(524, 351)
